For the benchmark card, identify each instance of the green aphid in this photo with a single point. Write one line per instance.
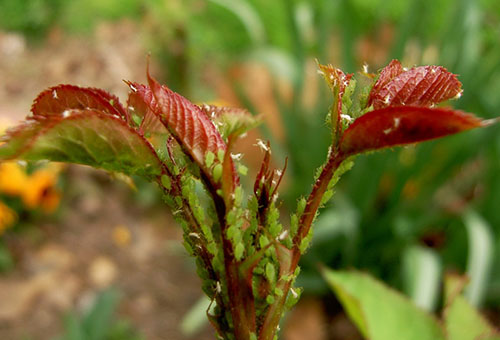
(220, 155)
(217, 172)
(239, 251)
(166, 182)
(243, 170)
(270, 273)
(301, 206)
(209, 159)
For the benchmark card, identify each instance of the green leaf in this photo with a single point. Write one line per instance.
(83, 137)
(73, 329)
(230, 121)
(380, 312)
(98, 321)
(462, 321)
(196, 317)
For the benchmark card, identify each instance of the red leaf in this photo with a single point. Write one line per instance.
(393, 126)
(88, 137)
(188, 124)
(387, 74)
(421, 86)
(141, 102)
(58, 99)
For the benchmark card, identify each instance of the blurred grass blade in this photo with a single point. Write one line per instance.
(480, 256)
(279, 62)
(380, 312)
(422, 270)
(98, 320)
(304, 20)
(196, 317)
(73, 328)
(248, 16)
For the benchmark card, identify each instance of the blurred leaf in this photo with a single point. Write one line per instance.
(462, 321)
(73, 328)
(99, 319)
(98, 323)
(196, 317)
(6, 262)
(244, 11)
(480, 256)
(422, 269)
(280, 63)
(380, 312)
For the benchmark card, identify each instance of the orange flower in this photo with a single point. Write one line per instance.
(7, 217)
(12, 179)
(40, 191)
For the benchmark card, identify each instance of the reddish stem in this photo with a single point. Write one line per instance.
(273, 315)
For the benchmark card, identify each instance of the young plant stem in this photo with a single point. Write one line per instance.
(314, 200)
(241, 304)
(273, 315)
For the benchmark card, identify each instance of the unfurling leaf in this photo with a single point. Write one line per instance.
(58, 100)
(393, 126)
(420, 86)
(387, 74)
(337, 81)
(141, 105)
(86, 137)
(192, 129)
(230, 121)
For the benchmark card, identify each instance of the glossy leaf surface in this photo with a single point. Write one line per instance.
(393, 126)
(191, 127)
(421, 86)
(59, 99)
(387, 74)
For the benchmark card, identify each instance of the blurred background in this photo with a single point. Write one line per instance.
(84, 255)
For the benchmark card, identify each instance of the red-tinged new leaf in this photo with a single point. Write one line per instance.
(192, 129)
(393, 126)
(87, 137)
(60, 99)
(142, 105)
(420, 86)
(387, 74)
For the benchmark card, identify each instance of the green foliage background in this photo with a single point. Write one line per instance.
(376, 222)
